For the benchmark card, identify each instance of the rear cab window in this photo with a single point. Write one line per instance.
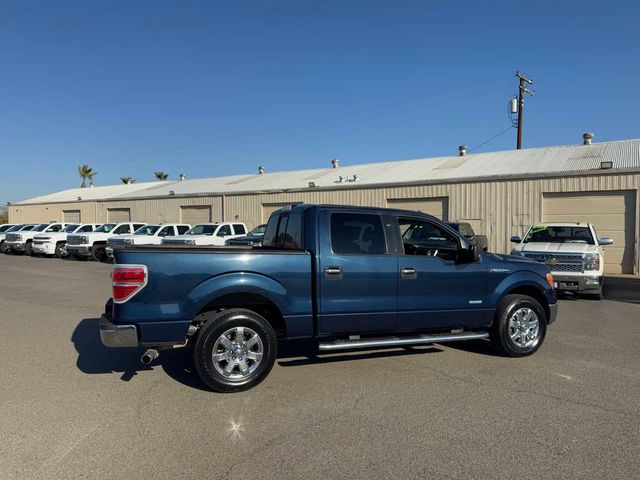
(239, 229)
(284, 230)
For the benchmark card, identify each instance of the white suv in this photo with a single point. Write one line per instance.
(572, 251)
(94, 244)
(22, 241)
(55, 243)
(208, 234)
(146, 235)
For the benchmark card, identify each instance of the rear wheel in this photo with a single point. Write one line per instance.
(99, 253)
(520, 326)
(235, 350)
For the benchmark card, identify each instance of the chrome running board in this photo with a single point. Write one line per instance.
(401, 341)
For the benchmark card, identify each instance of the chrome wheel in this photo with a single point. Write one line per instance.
(237, 353)
(524, 328)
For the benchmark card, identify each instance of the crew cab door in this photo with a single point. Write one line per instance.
(357, 275)
(436, 289)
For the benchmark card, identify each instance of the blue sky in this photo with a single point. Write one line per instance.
(214, 88)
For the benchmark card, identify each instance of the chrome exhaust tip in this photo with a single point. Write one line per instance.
(149, 356)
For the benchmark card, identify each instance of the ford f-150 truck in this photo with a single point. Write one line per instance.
(345, 277)
(572, 251)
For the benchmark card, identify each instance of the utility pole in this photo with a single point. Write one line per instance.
(522, 90)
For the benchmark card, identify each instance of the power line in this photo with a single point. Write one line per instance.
(492, 138)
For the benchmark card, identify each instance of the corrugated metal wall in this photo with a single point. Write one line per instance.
(499, 208)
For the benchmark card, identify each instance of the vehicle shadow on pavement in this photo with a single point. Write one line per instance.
(95, 358)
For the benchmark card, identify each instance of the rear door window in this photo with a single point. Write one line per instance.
(357, 234)
(239, 229)
(182, 229)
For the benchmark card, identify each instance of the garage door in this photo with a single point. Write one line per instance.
(195, 214)
(611, 213)
(269, 208)
(117, 215)
(71, 216)
(438, 207)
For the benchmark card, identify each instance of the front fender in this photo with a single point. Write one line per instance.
(520, 279)
(242, 283)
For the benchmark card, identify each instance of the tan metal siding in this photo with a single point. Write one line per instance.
(438, 207)
(48, 212)
(611, 213)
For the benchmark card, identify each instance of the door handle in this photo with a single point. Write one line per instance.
(408, 273)
(333, 273)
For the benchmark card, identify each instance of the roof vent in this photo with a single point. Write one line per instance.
(463, 150)
(261, 170)
(355, 178)
(183, 177)
(587, 138)
(334, 163)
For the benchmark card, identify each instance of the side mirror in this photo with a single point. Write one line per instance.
(605, 241)
(471, 254)
(516, 239)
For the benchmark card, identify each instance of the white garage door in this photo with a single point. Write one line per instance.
(611, 213)
(71, 216)
(269, 208)
(117, 215)
(195, 214)
(438, 207)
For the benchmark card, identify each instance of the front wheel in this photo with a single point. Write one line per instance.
(235, 350)
(61, 250)
(99, 253)
(520, 326)
(28, 249)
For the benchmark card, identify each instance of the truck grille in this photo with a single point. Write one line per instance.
(12, 237)
(559, 263)
(172, 241)
(74, 240)
(41, 240)
(117, 242)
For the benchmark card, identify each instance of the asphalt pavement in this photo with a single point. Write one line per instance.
(72, 409)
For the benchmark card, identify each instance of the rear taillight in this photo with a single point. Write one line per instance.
(127, 281)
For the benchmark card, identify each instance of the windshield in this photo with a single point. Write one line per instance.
(39, 228)
(147, 230)
(105, 228)
(202, 230)
(70, 228)
(5, 227)
(558, 234)
(258, 231)
(15, 228)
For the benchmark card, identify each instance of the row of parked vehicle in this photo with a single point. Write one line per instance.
(97, 241)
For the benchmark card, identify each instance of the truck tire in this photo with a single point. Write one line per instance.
(61, 250)
(520, 326)
(235, 350)
(28, 249)
(99, 253)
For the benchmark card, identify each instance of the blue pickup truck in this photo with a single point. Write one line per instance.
(347, 277)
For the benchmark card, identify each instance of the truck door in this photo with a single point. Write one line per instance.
(357, 275)
(434, 289)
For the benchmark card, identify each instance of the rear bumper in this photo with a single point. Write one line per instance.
(553, 313)
(117, 336)
(578, 283)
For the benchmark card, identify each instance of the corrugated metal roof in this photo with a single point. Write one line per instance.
(624, 154)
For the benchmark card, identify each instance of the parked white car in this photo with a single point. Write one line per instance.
(22, 241)
(94, 244)
(146, 235)
(208, 234)
(55, 243)
(572, 251)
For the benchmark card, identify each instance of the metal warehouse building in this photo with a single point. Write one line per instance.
(499, 193)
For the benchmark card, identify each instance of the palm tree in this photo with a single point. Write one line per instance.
(128, 180)
(86, 172)
(161, 175)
